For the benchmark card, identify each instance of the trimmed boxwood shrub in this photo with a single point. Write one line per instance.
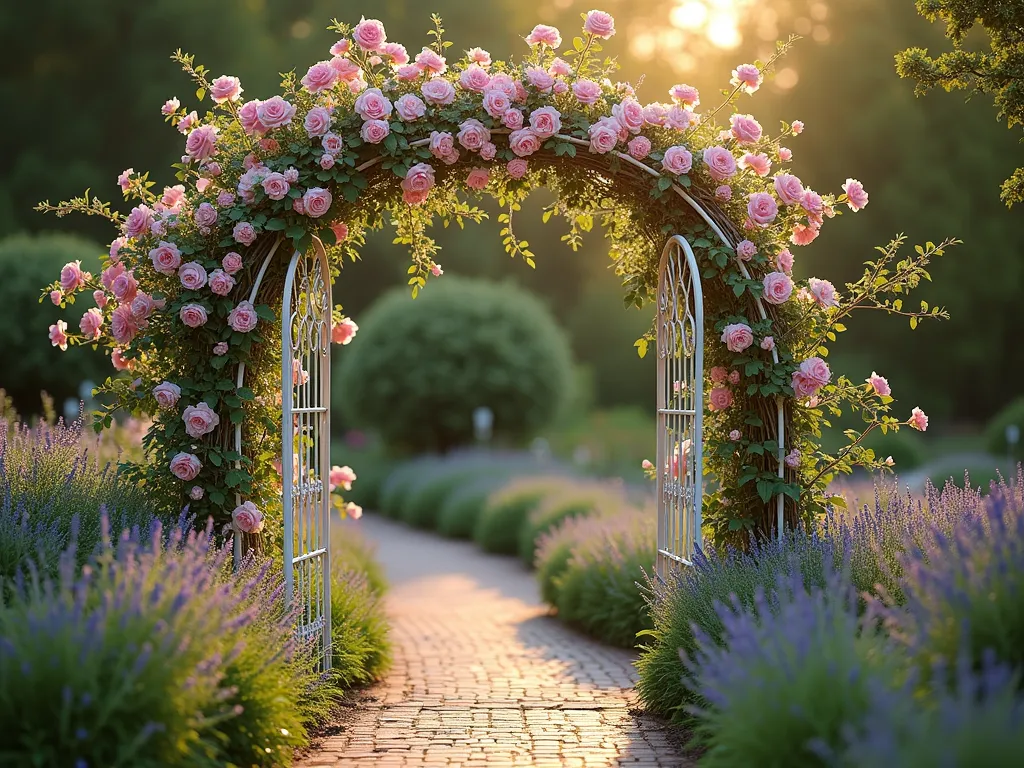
(576, 500)
(419, 368)
(422, 505)
(497, 527)
(460, 510)
(401, 481)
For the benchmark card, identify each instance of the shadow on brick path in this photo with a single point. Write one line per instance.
(483, 676)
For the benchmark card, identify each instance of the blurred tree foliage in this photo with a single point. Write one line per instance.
(88, 80)
(999, 72)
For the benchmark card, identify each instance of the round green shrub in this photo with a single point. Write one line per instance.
(422, 505)
(400, 482)
(904, 446)
(574, 501)
(995, 432)
(554, 549)
(497, 527)
(30, 363)
(460, 510)
(419, 368)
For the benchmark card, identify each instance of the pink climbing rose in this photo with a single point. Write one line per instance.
(812, 375)
(918, 419)
(737, 337)
(542, 34)
(677, 161)
(185, 466)
(341, 477)
(747, 78)
(856, 197)
(243, 317)
(745, 129)
(477, 178)
(247, 518)
(720, 162)
(720, 398)
(59, 336)
(789, 189)
(824, 292)
(545, 122)
(879, 385)
(200, 419)
(225, 88)
(778, 287)
(762, 208)
(317, 202)
(369, 34)
(166, 394)
(193, 315)
(599, 24)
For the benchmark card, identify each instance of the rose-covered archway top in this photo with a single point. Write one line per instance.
(374, 134)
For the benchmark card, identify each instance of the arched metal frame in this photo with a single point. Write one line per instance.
(680, 453)
(305, 444)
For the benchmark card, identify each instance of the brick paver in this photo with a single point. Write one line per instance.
(483, 676)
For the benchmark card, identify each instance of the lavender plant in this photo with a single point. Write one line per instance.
(964, 589)
(497, 527)
(578, 500)
(789, 674)
(691, 600)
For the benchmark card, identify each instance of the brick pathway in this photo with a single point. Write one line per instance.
(484, 677)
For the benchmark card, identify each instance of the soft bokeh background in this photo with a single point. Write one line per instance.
(84, 82)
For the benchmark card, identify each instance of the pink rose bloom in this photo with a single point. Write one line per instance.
(124, 287)
(517, 168)
(343, 332)
(205, 215)
(275, 186)
(438, 91)
(599, 24)
(879, 385)
(202, 142)
(685, 94)
(200, 420)
(654, 114)
(785, 261)
(488, 151)
(630, 114)
(737, 337)
(542, 34)
(244, 233)
(559, 68)
(247, 518)
(91, 323)
(317, 201)
(187, 122)
(410, 107)
(59, 336)
(327, 159)
(369, 35)
(225, 88)
(298, 207)
(116, 246)
(221, 282)
(747, 77)
(789, 188)
(546, 122)
(347, 69)
(723, 193)
(123, 325)
(719, 375)
(759, 163)
(720, 398)
(479, 56)
(340, 48)
(824, 292)
(172, 198)
(442, 144)
(523, 142)
(811, 202)
(192, 275)
(110, 274)
(243, 317)
(232, 263)
(797, 127)
(332, 143)
(762, 208)
(856, 197)
(320, 77)
(473, 134)
(678, 117)
(431, 62)
(812, 375)
(496, 102)
(539, 79)
(419, 179)
(248, 116)
(170, 106)
(768, 343)
(604, 135)
(220, 348)
(371, 104)
(119, 361)
(193, 315)
(373, 132)
(586, 91)
(735, 435)
(746, 250)
(792, 459)
(777, 287)
(340, 230)
(678, 160)
(474, 78)
(72, 277)
(512, 119)
(166, 258)
(436, 270)
(520, 92)
(185, 466)
(785, 154)
(477, 178)
(196, 493)
(341, 477)
(918, 420)
(144, 305)
(275, 112)
(803, 235)
(138, 221)
(720, 162)
(504, 83)
(56, 297)
(745, 129)
(317, 122)
(639, 147)
(166, 394)
(734, 377)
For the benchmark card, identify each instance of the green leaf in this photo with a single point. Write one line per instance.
(200, 93)
(295, 231)
(215, 458)
(664, 182)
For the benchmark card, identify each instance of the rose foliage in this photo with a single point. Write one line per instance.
(375, 134)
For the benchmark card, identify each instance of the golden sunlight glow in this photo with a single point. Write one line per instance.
(723, 32)
(690, 15)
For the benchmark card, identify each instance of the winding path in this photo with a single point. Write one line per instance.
(483, 676)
